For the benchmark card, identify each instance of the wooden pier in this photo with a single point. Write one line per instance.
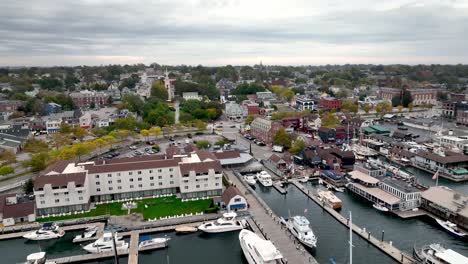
(133, 251)
(384, 246)
(278, 186)
(265, 223)
(65, 228)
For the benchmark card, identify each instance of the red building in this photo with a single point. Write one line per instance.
(86, 98)
(458, 97)
(264, 129)
(462, 117)
(330, 103)
(252, 108)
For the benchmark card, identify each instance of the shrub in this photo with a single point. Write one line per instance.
(5, 170)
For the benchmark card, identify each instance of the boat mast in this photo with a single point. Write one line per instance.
(350, 239)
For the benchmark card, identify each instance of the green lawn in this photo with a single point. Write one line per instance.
(156, 208)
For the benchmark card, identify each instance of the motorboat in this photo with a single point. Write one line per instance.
(148, 242)
(186, 229)
(299, 227)
(106, 244)
(47, 231)
(228, 222)
(437, 254)
(264, 178)
(320, 181)
(89, 232)
(304, 179)
(338, 189)
(257, 250)
(452, 228)
(250, 179)
(329, 198)
(380, 207)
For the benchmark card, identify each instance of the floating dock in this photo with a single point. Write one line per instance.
(100, 226)
(384, 246)
(279, 187)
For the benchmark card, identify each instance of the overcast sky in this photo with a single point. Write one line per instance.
(220, 32)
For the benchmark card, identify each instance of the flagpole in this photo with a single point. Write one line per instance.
(437, 179)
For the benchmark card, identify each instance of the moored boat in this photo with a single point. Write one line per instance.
(88, 233)
(299, 227)
(437, 254)
(257, 250)
(380, 207)
(47, 231)
(265, 179)
(147, 242)
(329, 198)
(452, 228)
(228, 222)
(250, 179)
(106, 244)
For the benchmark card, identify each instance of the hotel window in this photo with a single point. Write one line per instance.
(118, 173)
(139, 179)
(57, 200)
(160, 177)
(67, 199)
(171, 169)
(152, 184)
(42, 202)
(41, 195)
(119, 181)
(97, 183)
(171, 182)
(159, 170)
(97, 176)
(80, 192)
(139, 172)
(65, 193)
(131, 186)
(56, 194)
(151, 178)
(131, 180)
(98, 190)
(172, 176)
(198, 186)
(110, 182)
(206, 185)
(216, 184)
(186, 187)
(130, 173)
(160, 184)
(109, 175)
(110, 188)
(140, 185)
(80, 198)
(119, 187)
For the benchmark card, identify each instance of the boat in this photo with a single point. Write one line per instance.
(47, 231)
(299, 227)
(257, 250)
(147, 242)
(88, 233)
(186, 229)
(329, 198)
(226, 223)
(380, 207)
(338, 189)
(250, 179)
(304, 179)
(437, 254)
(264, 178)
(320, 181)
(452, 228)
(106, 244)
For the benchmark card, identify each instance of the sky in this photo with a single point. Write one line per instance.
(237, 32)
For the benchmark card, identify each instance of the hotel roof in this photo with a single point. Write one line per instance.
(359, 175)
(379, 193)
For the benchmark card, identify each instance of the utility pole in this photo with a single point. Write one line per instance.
(116, 257)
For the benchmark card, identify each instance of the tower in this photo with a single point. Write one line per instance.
(169, 87)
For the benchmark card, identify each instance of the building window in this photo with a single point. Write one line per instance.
(80, 198)
(171, 169)
(131, 186)
(98, 183)
(152, 184)
(118, 173)
(171, 182)
(110, 188)
(57, 200)
(98, 190)
(160, 177)
(151, 171)
(217, 184)
(131, 180)
(42, 202)
(41, 195)
(159, 170)
(67, 199)
(56, 194)
(80, 192)
(97, 176)
(110, 182)
(139, 172)
(151, 178)
(119, 187)
(172, 176)
(66, 193)
(119, 181)
(140, 185)
(160, 184)
(130, 173)
(139, 179)
(198, 186)
(186, 187)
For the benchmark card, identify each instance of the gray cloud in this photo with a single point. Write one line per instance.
(99, 32)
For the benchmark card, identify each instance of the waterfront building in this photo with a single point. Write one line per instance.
(264, 129)
(16, 209)
(449, 164)
(410, 196)
(446, 204)
(460, 143)
(233, 200)
(332, 177)
(68, 186)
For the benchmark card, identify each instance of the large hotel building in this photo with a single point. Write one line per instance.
(69, 186)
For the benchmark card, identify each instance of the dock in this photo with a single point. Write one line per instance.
(266, 223)
(133, 250)
(384, 246)
(278, 186)
(65, 228)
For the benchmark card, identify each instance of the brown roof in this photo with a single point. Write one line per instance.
(205, 155)
(18, 210)
(58, 180)
(3, 200)
(276, 159)
(455, 158)
(132, 159)
(190, 148)
(173, 150)
(229, 193)
(132, 165)
(200, 167)
(227, 155)
(58, 166)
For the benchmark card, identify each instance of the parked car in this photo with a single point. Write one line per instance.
(138, 153)
(260, 143)
(402, 128)
(132, 147)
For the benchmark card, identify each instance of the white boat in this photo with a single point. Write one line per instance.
(88, 233)
(146, 242)
(48, 231)
(320, 181)
(338, 189)
(106, 244)
(304, 179)
(265, 179)
(257, 250)
(437, 254)
(250, 179)
(452, 228)
(299, 227)
(380, 207)
(329, 198)
(226, 223)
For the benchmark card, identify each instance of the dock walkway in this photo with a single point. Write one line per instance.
(270, 226)
(384, 246)
(65, 228)
(133, 251)
(278, 186)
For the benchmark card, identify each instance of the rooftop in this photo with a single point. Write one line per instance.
(400, 184)
(379, 193)
(447, 198)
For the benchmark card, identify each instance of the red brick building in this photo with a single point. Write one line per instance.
(420, 96)
(252, 108)
(330, 103)
(264, 129)
(462, 117)
(86, 98)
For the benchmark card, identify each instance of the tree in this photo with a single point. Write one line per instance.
(202, 144)
(98, 132)
(406, 98)
(298, 146)
(5, 170)
(59, 140)
(65, 128)
(287, 95)
(249, 119)
(330, 120)
(383, 108)
(34, 146)
(200, 125)
(367, 108)
(127, 123)
(28, 186)
(81, 150)
(349, 107)
(155, 131)
(159, 91)
(80, 133)
(37, 162)
(342, 93)
(281, 138)
(133, 103)
(99, 142)
(7, 157)
(145, 133)
(400, 108)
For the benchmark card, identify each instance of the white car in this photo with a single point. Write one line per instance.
(133, 147)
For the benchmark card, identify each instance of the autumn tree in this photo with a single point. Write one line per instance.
(281, 138)
(298, 146)
(383, 108)
(349, 107)
(155, 131)
(249, 119)
(145, 133)
(366, 108)
(330, 120)
(80, 133)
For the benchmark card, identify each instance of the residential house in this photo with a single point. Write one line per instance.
(233, 200)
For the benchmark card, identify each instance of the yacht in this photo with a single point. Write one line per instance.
(380, 207)
(250, 179)
(226, 223)
(147, 242)
(264, 178)
(452, 228)
(89, 232)
(329, 198)
(257, 250)
(48, 231)
(299, 227)
(437, 254)
(106, 244)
